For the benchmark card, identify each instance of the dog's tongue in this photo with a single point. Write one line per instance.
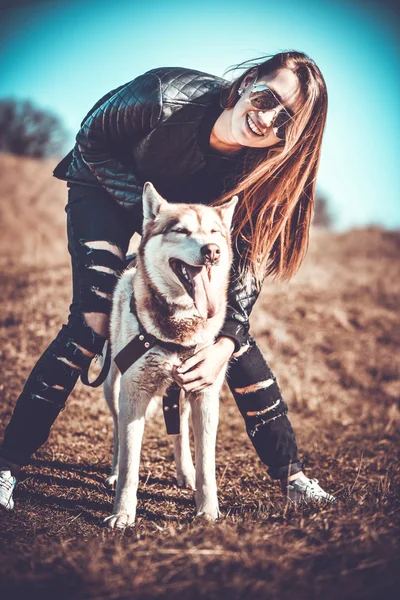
(205, 295)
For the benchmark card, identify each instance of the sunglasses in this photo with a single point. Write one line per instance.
(263, 98)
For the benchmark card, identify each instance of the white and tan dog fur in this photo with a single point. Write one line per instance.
(180, 286)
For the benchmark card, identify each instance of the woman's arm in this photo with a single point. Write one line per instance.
(242, 296)
(241, 299)
(113, 128)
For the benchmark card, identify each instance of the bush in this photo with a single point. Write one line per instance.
(26, 130)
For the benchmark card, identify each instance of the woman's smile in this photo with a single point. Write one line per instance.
(253, 127)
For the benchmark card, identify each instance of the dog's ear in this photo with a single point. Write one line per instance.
(226, 211)
(152, 202)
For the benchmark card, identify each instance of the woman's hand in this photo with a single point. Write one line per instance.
(202, 369)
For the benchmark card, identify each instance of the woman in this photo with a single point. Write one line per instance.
(197, 138)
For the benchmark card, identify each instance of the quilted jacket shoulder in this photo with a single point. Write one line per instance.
(182, 86)
(126, 115)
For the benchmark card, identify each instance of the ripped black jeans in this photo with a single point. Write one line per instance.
(264, 411)
(93, 218)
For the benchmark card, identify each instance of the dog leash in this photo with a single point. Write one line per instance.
(103, 373)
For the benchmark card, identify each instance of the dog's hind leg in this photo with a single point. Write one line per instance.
(185, 472)
(111, 389)
(131, 417)
(205, 423)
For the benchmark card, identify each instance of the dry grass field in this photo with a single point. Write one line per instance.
(331, 337)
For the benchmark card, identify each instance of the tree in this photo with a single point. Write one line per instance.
(323, 216)
(27, 130)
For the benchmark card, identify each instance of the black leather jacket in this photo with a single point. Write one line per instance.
(157, 128)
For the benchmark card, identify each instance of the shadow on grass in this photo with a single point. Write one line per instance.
(66, 466)
(86, 508)
(143, 494)
(83, 508)
(65, 482)
(93, 470)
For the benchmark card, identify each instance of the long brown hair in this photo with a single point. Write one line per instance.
(273, 216)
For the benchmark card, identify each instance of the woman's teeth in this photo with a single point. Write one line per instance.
(253, 126)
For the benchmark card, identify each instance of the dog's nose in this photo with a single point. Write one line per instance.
(211, 253)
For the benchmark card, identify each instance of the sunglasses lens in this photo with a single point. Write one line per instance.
(263, 100)
(281, 124)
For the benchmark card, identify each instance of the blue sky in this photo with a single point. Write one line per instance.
(65, 55)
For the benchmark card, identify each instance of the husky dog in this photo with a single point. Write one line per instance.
(177, 292)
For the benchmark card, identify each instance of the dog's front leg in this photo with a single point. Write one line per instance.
(205, 423)
(131, 418)
(185, 472)
(111, 389)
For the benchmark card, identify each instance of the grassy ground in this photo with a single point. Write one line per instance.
(331, 337)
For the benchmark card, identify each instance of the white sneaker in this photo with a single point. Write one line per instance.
(7, 485)
(300, 490)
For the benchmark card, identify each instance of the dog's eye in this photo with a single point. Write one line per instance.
(215, 231)
(182, 230)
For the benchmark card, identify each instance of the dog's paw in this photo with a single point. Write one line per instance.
(111, 482)
(119, 521)
(208, 517)
(187, 480)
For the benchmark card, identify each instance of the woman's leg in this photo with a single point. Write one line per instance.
(259, 400)
(98, 238)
